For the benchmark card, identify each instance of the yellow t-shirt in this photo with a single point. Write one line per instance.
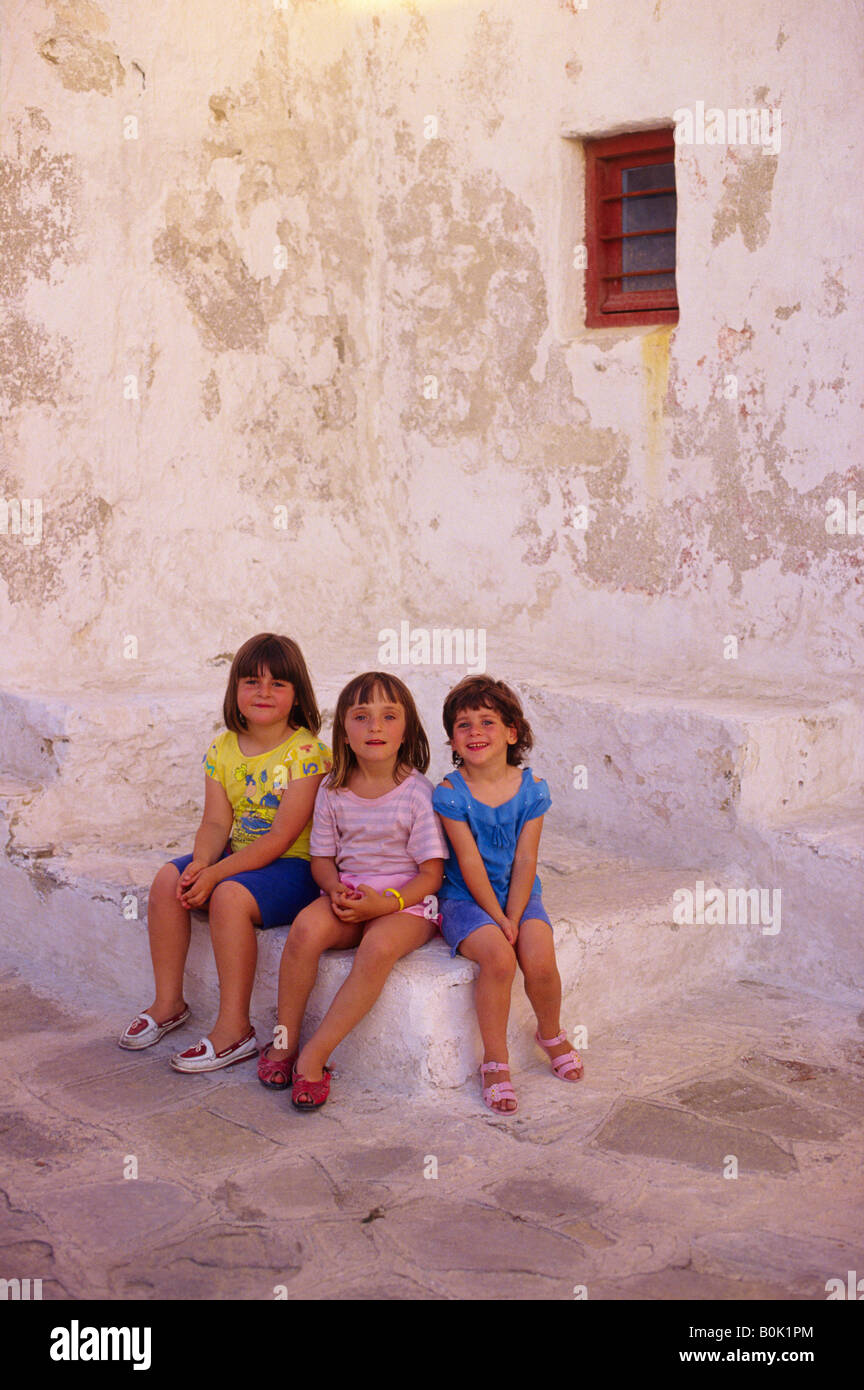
(254, 785)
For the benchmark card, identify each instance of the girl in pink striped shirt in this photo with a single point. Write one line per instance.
(377, 854)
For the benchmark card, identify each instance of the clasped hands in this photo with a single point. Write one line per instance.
(510, 929)
(353, 905)
(195, 884)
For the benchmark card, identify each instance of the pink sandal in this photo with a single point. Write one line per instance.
(567, 1067)
(269, 1069)
(499, 1090)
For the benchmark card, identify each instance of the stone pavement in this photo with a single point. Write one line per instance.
(615, 1184)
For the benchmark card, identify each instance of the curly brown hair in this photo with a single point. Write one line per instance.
(482, 692)
(414, 748)
(284, 660)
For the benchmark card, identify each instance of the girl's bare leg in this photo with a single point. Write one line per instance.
(314, 930)
(385, 940)
(234, 914)
(497, 960)
(535, 950)
(168, 926)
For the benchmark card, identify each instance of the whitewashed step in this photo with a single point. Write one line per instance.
(645, 773)
(816, 859)
(686, 779)
(84, 914)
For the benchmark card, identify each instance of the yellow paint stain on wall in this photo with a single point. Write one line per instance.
(655, 379)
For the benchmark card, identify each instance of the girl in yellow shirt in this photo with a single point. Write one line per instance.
(250, 860)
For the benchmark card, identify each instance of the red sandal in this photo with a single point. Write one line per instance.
(269, 1069)
(318, 1090)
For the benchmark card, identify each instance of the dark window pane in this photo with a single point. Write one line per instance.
(645, 176)
(643, 253)
(641, 215)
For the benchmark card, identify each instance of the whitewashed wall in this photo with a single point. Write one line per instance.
(171, 390)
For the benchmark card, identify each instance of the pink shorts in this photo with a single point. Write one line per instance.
(428, 908)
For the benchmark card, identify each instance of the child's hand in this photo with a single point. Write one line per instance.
(196, 895)
(375, 904)
(343, 901)
(361, 903)
(188, 876)
(341, 891)
(510, 930)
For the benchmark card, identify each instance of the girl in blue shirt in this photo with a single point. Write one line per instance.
(491, 906)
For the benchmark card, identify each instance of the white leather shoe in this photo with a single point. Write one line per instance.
(143, 1031)
(202, 1057)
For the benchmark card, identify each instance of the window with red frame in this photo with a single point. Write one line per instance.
(630, 207)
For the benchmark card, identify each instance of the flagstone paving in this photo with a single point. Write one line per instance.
(123, 1179)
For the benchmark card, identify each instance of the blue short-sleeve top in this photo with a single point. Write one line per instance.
(496, 829)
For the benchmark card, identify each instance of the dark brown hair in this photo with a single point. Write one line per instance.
(284, 660)
(482, 692)
(414, 748)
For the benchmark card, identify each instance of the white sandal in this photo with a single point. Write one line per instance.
(134, 1037)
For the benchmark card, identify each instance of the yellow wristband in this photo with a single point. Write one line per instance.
(395, 894)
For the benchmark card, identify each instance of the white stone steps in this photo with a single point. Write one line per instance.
(616, 944)
(681, 777)
(687, 779)
(758, 792)
(104, 757)
(833, 831)
(816, 859)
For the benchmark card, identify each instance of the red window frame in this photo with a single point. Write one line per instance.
(606, 303)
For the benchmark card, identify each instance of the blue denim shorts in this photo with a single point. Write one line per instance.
(281, 889)
(461, 916)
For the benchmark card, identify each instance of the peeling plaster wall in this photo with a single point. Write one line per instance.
(231, 321)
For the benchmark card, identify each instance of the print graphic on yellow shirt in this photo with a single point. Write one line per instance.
(254, 785)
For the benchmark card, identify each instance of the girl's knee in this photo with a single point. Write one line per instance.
(164, 884)
(224, 891)
(540, 968)
(231, 897)
(500, 964)
(377, 951)
(305, 936)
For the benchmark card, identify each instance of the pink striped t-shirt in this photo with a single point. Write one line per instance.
(391, 834)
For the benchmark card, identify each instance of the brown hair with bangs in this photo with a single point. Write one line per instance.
(482, 692)
(284, 660)
(414, 748)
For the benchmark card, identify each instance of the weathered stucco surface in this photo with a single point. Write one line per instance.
(293, 338)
